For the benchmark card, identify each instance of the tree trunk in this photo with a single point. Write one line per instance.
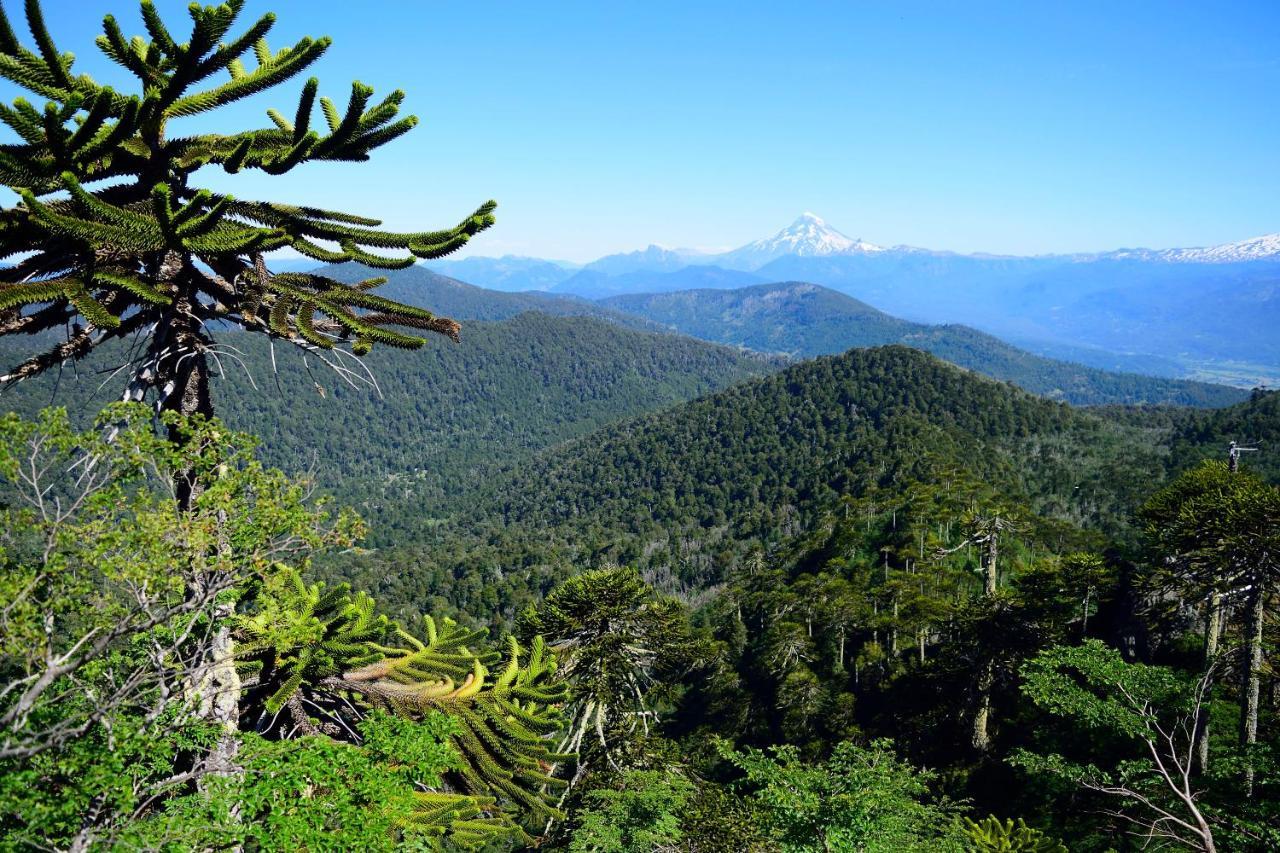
(893, 634)
(1212, 637)
(980, 737)
(1251, 686)
(989, 586)
(182, 371)
(182, 376)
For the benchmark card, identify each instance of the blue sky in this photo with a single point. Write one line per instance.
(600, 127)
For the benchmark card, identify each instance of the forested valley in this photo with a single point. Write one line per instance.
(294, 561)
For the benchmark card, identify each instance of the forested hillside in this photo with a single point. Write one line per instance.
(302, 563)
(833, 529)
(685, 492)
(807, 320)
(801, 320)
(440, 417)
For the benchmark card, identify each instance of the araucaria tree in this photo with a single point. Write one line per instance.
(114, 237)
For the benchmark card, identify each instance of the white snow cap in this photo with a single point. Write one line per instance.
(811, 235)
(1262, 248)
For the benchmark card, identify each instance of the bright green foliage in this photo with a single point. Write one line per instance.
(149, 247)
(1093, 684)
(315, 793)
(109, 592)
(504, 721)
(316, 653)
(1140, 720)
(862, 798)
(639, 814)
(299, 633)
(113, 770)
(996, 837)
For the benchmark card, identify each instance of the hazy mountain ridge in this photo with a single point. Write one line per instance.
(806, 320)
(448, 297)
(510, 273)
(1206, 312)
(798, 320)
(592, 284)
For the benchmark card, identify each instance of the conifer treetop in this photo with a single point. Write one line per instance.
(113, 236)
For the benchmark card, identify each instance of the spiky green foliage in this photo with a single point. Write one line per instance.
(118, 238)
(1007, 837)
(621, 647)
(326, 657)
(298, 634)
(505, 720)
(460, 817)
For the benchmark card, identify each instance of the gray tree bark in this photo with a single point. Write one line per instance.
(1212, 638)
(1251, 686)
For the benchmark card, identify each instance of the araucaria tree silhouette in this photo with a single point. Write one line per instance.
(114, 239)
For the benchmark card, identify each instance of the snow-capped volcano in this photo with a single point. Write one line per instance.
(1265, 248)
(808, 236)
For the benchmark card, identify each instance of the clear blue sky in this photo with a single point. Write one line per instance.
(601, 127)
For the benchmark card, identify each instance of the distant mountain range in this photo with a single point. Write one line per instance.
(593, 284)
(1207, 312)
(798, 320)
(807, 320)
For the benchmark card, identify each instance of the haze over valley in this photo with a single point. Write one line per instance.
(1207, 313)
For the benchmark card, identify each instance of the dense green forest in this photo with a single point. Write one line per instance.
(807, 320)
(612, 591)
(439, 418)
(681, 493)
(826, 531)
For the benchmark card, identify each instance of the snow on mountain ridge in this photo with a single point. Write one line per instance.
(808, 236)
(1266, 247)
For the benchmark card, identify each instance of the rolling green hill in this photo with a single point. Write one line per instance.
(805, 320)
(446, 413)
(687, 491)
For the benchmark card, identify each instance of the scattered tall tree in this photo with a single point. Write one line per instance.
(1222, 529)
(985, 530)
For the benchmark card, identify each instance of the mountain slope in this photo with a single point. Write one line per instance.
(594, 284)
(447, 412)
(801, 436)
(686, 492)
(509, 273)
(807, 320)
(1196, 312)
(449, 297)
